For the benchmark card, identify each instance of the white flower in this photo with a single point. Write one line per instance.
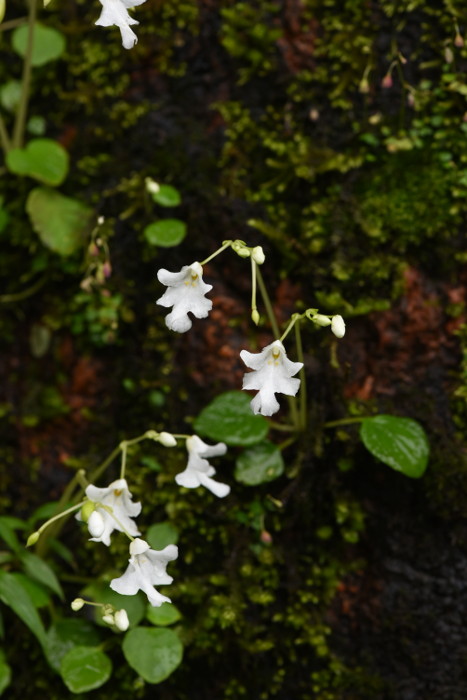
(338, 326)
(115, 12)
(118, 498)
(198, 471)
(185, 293)
(146, 569)
(272, 374)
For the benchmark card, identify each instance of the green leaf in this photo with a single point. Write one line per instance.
(259, 464)
(44, 160)
(230, 419)
(10, 94)
(13, 594)
(153, 653)
(165, 614)
(5, 672)
(62, 223)
(65, 634)
(135, 605)
(40, 596)
(48, 43)
(166, 233)
(401, 443)
(85, 668)
(162, 534)
(167, 196)
(39, 570)
(9, 536)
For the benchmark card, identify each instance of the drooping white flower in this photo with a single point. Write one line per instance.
(116, 12)
(338, 326)
(186, 290)
(272, 373)
(146, 569)
(198, 471)
(117, 497)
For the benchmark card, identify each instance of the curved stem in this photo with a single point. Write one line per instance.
(302, 390)
(267, 304)
(344, 421)
(19, 296)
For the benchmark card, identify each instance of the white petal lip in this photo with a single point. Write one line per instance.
(114, 12)
(146, 569)
(198, 471)
(96, 524)
(272, 373)
(186, 294)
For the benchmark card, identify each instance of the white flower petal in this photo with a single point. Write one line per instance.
(218, 489)
(114, 12)
(96, 524)
(146, 568)
(186, 294)
(117, 497)
(272, 373)
(198, 471)
(127, 584)
(338, 326)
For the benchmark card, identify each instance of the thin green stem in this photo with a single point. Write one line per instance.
(58, 516)
(267, 304)
(4, 138)
(254, 308)
(21, 114)
(302, 390)
(282, 427)
(292, 322)
(227, 244)
(19, 296)
(13, 23)
(123, 446)
(344, 421)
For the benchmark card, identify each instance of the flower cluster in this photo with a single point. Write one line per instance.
(273, 373)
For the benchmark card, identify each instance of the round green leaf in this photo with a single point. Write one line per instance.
(259, 464)
(167, 196)
(166, 233)
(10, 94)
(229, 418)
(153, 653)
(62, 223)
(65, 634)
(44, 160)
(162, 534)
(165, 614)
(48, 43)
(401, 443)
(85, 668)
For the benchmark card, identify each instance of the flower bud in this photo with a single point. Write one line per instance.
(151, 186)
(459, 41)
(32, 539)
(86, 511)
(338, 326)
(242, 251)
(77, 604)
(166, 439)
(121, 620)
(258, 255)
(109, 619)
(387, 81)
(321, 320)
(96, 524)
(100, 220)
(255, 316)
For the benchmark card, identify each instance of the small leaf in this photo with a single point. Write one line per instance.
(40, 571)
(14, 595)
(166, 233)
(44, 160)
(48, 43)
(259, 464)
(62, 223)
(153, 653)
(165, 614)
(162, 534)
(5, 672)
(9, 536)
(167, 196)
(10, 94)
(401, 443)
(230, 419)
(85, 668)
(65, 634)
